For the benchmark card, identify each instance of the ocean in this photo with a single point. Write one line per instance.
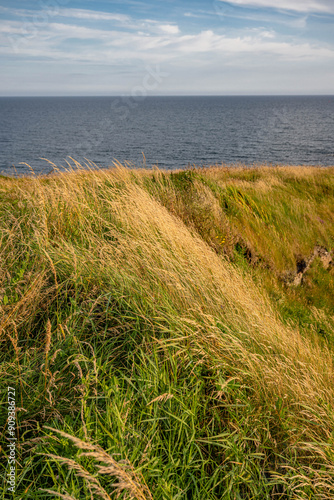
(170, 132)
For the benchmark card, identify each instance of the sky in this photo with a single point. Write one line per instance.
(166, 47)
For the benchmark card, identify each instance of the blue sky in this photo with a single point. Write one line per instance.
(166, 47)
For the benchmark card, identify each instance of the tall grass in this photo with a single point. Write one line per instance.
(161, 343)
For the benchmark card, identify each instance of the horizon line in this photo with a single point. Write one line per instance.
(142, 98)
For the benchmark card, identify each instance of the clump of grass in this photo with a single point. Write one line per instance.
(128, 480)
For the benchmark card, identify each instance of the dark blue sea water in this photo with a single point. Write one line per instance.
(171, 131)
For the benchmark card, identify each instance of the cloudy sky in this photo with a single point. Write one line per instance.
(162, 47)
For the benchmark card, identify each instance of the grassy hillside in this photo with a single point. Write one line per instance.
(169, 335)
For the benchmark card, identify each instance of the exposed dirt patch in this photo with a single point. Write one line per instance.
(303, 265)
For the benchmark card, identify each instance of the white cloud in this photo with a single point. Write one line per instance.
(171, 29)
(324, 6)
(112, 45)
(254, 47)
(78, 43)
(267, 34)
(93, 15)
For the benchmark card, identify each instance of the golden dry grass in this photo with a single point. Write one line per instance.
(105, 228)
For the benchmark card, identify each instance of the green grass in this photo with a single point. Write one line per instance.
(149, 322)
